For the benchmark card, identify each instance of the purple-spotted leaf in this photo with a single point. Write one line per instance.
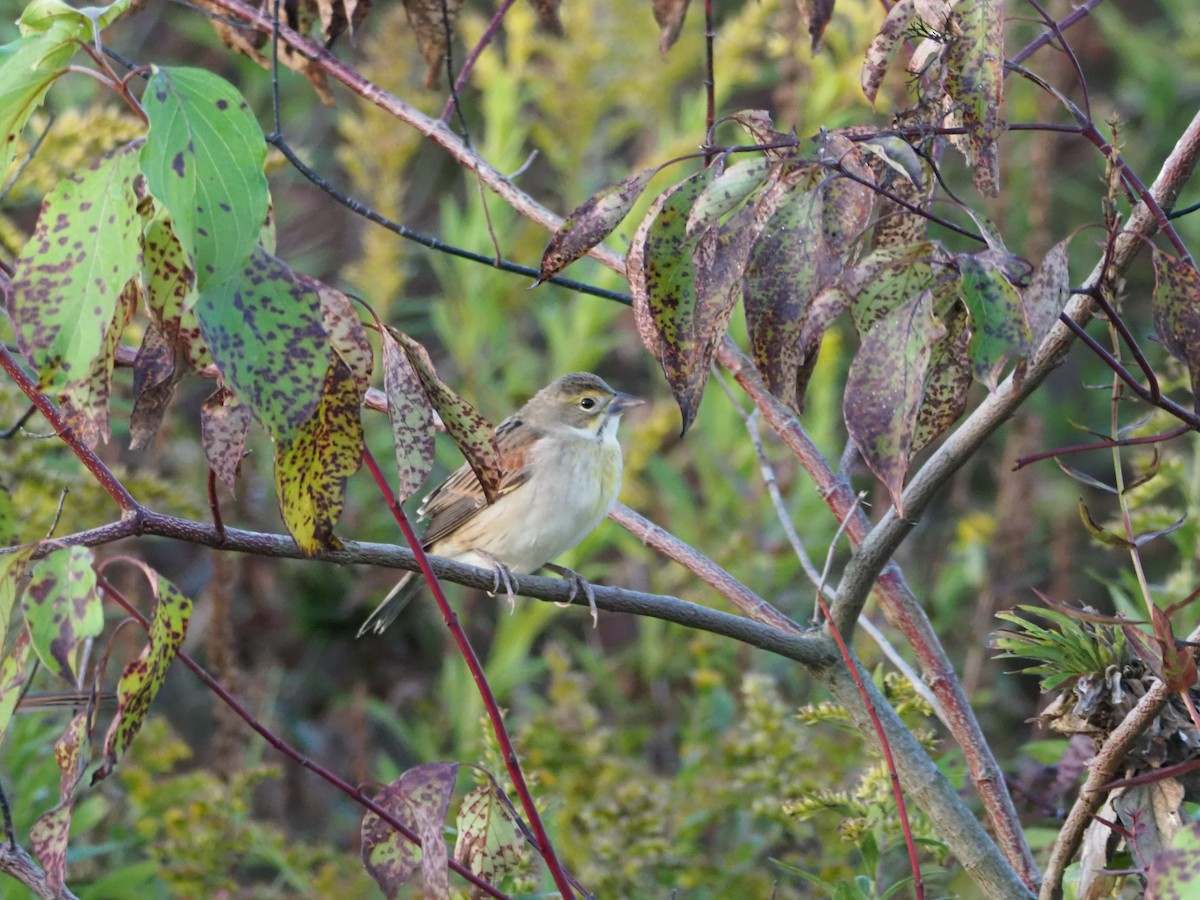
(817, 14)
(469, 430)
(1176, 306)
(1048, 292)
(69, 754)
(1172, 873)
(1100, 533)
(883, 48)
(999, 331)
(975, 86)
(62, 608)
(266, 332)
(224, 424)
(635, 274)
(85, 400)
(12, 678)
(886, 386)
(726, 192)
(312, 466)
(347, 336)
(896, 225)
(28, 66)
(888, 277)
(591, 222)
(787, 267)
(13, 567)
(142, 678)
(48, 840)
(67, 281)
(947, 383)
(419, 798)
(669, 14)
(154, 378)
(757, 123)
(669, 293)
(490, 843)
(171, 293)
(203, 161)
(847, 202)
(824, 309)
(410, 415)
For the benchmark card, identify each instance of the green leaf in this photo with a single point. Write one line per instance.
(1176, 308)
(885, 388)
(62, 608)
(83, 252)
(886, 278)
(266, 332)
(224, 424)
(28, 66)
(1100, 533)
(419, 798)
(975, 85)
(203, 161)
(43, 15)
(142, 678)
(469, 430)
(312, 466)
(12, 576)
(591, 222)
(489, 842)
(726, 192)
(84, 402)
(998, 327)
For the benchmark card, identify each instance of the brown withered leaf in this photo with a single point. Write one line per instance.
(591, 222)
(817, 14)
(669, 14)
(337, 16)
(548, 17)
(1176, 308)
(155, 375)
(428, 19)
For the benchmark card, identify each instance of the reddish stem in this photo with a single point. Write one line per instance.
(465, 72)
(561, 880)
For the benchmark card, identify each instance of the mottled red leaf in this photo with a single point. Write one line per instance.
(1176, 307)
(48, 840)
(591, 222)
(469, 430)
(419, 798)
(669, 14)
(490, 843)
(224, 423)
(886, 386)
(12, 678)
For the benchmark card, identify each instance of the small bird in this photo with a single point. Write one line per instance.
(562, 466)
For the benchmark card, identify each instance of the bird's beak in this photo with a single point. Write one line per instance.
(622, 402)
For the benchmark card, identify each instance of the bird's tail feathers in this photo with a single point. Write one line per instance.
(392, 605)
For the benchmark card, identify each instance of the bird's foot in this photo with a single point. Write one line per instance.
(501, 578)
(578, 584)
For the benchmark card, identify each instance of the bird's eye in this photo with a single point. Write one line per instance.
(588, 402)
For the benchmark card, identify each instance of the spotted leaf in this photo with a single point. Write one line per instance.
(975, 85)
(883, 47)
(669, 14)
(142, 678)
(1048, 292)
(171, 293)
(591, 222)
(312, 466)
(999, 331)
(62, 608)
(885, 388)
(490, 843)
(419, 798)
(886, 278)
(154, 378)
(12, 678)
(726, 192)
(67, 281)
(947, 384)
(48, 840)
(469, 430)
(203, 161)
(266, 333)
(1176, 308)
